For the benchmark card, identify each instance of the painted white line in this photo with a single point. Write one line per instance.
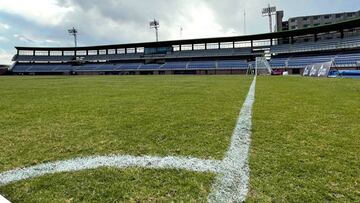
(3, 200)
(231, 185)
(93, 162)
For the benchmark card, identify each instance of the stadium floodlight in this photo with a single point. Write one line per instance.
(181, 32)
(74, 32)
(155, 25)
(245, 22)
(269, 12)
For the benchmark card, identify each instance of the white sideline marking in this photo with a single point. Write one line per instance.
(93, 162)
(231, 185)
(3, 200)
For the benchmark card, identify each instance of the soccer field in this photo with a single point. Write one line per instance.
(46, 119)
(304, 143)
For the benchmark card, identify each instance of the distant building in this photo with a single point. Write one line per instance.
(312, 21)
(280, 24)
(303, 22)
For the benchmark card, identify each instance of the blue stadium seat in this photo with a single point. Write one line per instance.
(321, 45)
(305, 61)
(347, 60)
(149, 67)
(129, 66)
(175, 65)
(233, 64)
(278, 62)
(198, 65)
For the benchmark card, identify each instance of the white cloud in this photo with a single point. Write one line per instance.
(36, 41)
(5, 57)
(49, 41)
(45, 12)
(127, 21)
(23, 38)
(3, 39)
(4, 26)
(200, 22)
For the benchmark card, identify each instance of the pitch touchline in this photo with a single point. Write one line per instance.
(231, 184)
(3, 200)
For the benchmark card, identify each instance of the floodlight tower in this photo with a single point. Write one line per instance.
(155, 25)
(74, 32)
(269, 11)
(245, 22)
(181, 32)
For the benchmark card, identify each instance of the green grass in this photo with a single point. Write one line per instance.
(45, 119)
(305, 145)
(113, 185)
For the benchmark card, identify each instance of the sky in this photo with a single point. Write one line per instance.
(45, 22)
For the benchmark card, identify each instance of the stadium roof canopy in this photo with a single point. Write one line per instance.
(339, 27)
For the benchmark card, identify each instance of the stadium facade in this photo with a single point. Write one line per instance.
(285, 50)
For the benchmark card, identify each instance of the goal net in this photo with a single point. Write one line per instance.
(262, 66)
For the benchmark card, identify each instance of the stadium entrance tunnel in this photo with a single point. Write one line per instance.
(146, 73)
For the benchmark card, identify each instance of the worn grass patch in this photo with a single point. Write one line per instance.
(305, 144)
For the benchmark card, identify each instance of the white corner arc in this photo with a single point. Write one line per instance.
(93, 162)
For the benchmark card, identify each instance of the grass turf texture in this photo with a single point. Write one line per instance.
(305, 144)
(113, 185)
(45, 119)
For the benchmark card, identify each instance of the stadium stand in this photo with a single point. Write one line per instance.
(233, 64)
(305, 61)
(340, 60)
(198, 65)
(285, 50)
(321, 45)
(348, 60)
(175, 65)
